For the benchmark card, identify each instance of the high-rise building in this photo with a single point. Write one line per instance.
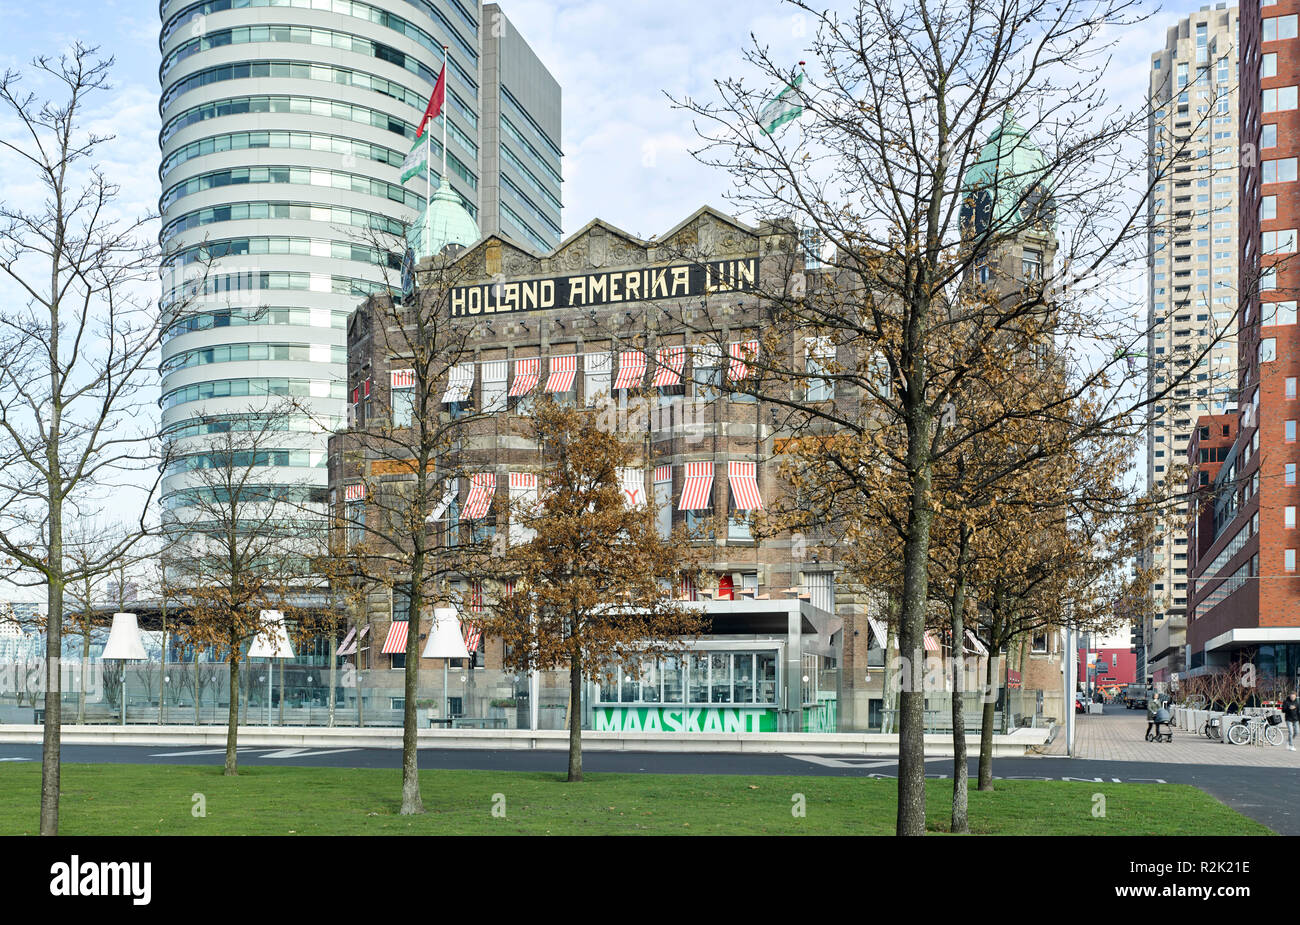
(1247, 596)
(285, 124)
(1192, 249)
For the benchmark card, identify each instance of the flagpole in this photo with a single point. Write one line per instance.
(443, 177)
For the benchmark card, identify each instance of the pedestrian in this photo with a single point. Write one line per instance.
(1291, 713)
(1153, 705)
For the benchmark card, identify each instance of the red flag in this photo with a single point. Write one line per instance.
(435, 101)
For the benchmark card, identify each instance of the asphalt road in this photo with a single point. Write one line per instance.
(1268, 795)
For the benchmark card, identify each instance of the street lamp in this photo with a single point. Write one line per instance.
(124, 644)
(445, 642)
(271, 642)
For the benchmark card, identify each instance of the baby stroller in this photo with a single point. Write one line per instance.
(1162, 718)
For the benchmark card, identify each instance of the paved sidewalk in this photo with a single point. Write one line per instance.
(1120, 735)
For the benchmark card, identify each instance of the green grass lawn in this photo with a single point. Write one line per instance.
(123, 799)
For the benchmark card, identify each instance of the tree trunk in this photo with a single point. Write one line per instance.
(916, 553)
(412, 804)
(51, 734)
(575, 717)
(990, 703)
(960, 823)
(232, 720)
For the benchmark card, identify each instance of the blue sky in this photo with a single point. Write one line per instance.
(626, 150)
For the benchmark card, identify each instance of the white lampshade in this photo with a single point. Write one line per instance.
(445, 639)
(124, 640)
(273, 640)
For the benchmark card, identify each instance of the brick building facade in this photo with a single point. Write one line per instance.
(1247, 596)
(663, 335)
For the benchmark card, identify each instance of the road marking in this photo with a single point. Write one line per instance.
(305, 753)
(855, 763)
(270, 752)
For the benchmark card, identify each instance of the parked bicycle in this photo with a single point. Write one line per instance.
(1213, 729)
(1255, 730)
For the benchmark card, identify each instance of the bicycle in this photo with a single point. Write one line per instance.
(1256, 730)
(1213, 729)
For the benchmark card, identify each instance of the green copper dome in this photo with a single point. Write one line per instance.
(1010, 173)
(444, 221)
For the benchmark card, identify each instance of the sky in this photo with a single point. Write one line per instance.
(627, 150)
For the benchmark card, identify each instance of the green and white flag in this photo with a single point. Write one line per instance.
(417, 160)
(785, 108)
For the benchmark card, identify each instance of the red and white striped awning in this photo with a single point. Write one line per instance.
(460, 382)
(697, 492)
(527, 372)
(401, 379)
(932, 643)
(742, 354)
(633, 484)
(523, 481)
(631, 369)
(356, 492)
(395, 642)
(562, 371)
(343, 646)
(663, 474)
(669, 362)
(973, 645)
(482, 486)
(473, 636)
(743, 479)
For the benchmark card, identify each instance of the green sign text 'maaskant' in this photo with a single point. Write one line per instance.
(685, 719)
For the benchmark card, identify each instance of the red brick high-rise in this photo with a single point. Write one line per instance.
(1246, 597)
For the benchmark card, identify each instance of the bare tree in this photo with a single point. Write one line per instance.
(78, 339)
(242, 545)
(402, 458)
(907, 167)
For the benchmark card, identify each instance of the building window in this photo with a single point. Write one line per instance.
(1289, 559)
(1268, 65)
(403, 407)
(1267, 208)
(1290, 473)
(1268, 136)
(1268, 350)
(1290, 431)
(1038, 645)
(1278, 242)
(1031, 264)
(1290, 386)
(738, 527)
(818, 357)
(1279, 99)
(356, 522)
(1277, 28)
(1288, 516)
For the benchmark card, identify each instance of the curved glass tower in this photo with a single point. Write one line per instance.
(284, 127)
